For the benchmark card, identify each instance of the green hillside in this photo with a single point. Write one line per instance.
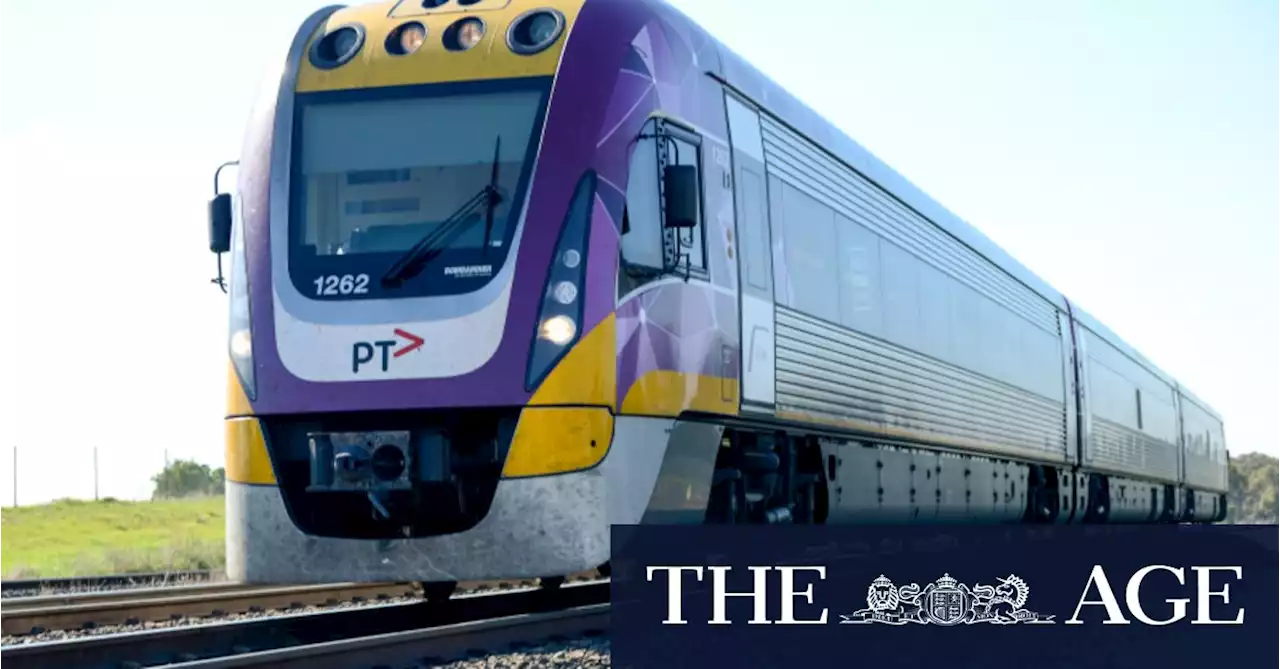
(1252, 497)
(79, 538)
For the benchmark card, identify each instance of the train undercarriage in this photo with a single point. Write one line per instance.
(766, 477)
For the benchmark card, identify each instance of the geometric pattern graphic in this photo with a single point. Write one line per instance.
(670, 325)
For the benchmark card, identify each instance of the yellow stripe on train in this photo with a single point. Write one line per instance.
(668, 393)
(432, 62)
(558, 440)
(237, 401)
(246, 453)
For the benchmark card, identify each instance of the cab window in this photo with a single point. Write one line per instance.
(651, 245)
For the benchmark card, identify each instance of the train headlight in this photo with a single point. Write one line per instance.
(406, 38)
(241, 344)
(560, 313)
(558, 330)
(464, 34)
(337, 47)
(240, 339)
(534, 31)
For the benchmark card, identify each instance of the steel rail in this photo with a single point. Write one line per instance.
(34, 615)
(206, 641)
(87, 610)
(437, 643)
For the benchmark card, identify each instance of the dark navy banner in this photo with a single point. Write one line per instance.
(946, 597)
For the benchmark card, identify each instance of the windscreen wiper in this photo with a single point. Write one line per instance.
(416, 258)
(493, 182)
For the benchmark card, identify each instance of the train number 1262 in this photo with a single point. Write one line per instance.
(346, 284)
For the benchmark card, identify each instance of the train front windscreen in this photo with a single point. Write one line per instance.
(377, 173)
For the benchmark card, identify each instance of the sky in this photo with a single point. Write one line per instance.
(1125, 152)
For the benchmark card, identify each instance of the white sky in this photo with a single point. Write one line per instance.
(1127, 153)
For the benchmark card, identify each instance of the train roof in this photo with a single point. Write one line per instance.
(748, 80)
(1187, 394)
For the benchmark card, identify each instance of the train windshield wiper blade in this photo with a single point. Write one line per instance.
(430, 246)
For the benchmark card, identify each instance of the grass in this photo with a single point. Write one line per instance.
(84, 538)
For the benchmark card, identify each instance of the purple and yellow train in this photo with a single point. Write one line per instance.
(506, 272)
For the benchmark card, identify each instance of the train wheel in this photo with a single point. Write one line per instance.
(438, 591)
(605, 570)
(550, 582)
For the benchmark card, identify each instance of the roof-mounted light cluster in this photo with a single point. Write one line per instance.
(530, 33)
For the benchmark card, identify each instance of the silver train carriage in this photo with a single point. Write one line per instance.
(507, 272)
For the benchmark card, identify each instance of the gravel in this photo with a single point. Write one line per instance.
(590, 651)
(110, 587)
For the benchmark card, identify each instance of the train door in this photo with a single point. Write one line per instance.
(755, 266)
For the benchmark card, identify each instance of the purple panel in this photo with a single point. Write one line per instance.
(602, 264)
(673, 325)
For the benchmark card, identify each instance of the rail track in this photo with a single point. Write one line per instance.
(89, 610)
(381, 633)
(36, 615)
(28, 587)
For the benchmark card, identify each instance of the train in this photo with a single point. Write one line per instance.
(505, 273)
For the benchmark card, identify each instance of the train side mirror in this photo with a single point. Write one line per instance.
(680, 186)
(220, 223)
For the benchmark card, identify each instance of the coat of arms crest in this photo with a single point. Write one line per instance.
(946, 602)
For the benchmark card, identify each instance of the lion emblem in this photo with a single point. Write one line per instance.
(881, 595)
